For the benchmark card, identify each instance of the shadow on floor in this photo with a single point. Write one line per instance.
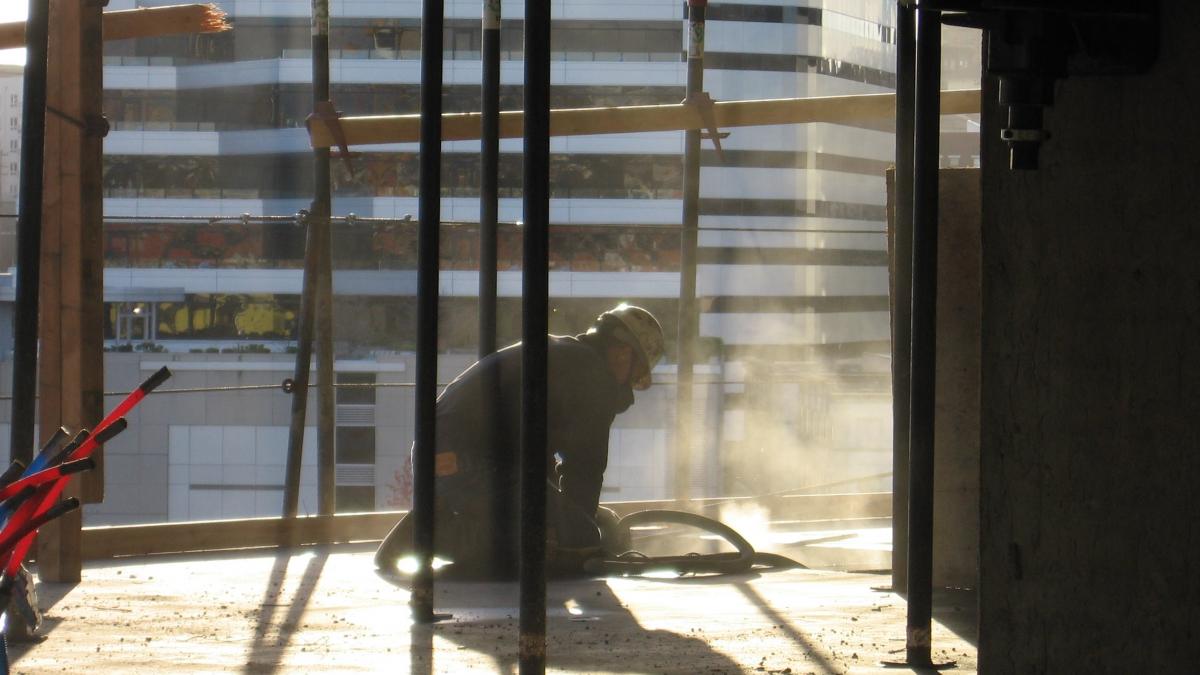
(588, 629)
(958, 610)
(280, 612)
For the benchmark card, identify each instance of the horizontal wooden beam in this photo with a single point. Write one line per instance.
(135, 23)
(372, 130)
(219, 535)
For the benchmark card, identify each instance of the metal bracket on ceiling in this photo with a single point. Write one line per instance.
(1031, 44)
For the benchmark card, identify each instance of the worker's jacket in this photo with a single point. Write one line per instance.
(478, 447)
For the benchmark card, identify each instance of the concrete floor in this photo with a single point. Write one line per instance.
(325, 610)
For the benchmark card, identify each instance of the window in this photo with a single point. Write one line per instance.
(354, 498)
(355, 445)
(133, 321)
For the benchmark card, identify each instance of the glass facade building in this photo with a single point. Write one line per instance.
(208, 159)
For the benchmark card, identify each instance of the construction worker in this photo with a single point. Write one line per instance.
(591, 378)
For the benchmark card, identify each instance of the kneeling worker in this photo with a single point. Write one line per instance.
(591, 378)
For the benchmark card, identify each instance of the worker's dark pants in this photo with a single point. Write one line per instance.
(477, 529)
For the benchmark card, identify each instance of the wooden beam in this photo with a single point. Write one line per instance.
(134, 23)
(627, 119)
(100, 543)
(71, 374)
(219, 535)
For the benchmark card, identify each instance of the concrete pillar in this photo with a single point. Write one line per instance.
(1090, 428)
(956, 425)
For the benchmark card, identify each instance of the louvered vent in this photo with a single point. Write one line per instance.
(355, 474)
(356, 415)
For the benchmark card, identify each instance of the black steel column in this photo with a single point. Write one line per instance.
(304, 339)
(29, 234)
(321, 211)
(489, 160)
(924, 337)
(534, 292)
(689, 317)
(430, 216)
(902, 297)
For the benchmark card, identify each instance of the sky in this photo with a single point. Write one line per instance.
(12, 10)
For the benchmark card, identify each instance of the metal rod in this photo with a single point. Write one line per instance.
(924, 338)
(906, 74)
(535, 291)
(429, 216)
(304, 340)
(322, 207)
(489, 159)
(689, 318)
(29, 234)
(489, 194)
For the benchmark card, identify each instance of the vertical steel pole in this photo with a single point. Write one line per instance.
(689, 318)
(321, 210)
(535, 291)
(924, 337)
(29, 234)
(489, 194)
(304, 340)
(906, 74)
(430, 216)
(489, 159)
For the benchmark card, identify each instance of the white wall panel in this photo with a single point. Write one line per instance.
(781, 280)
(813, 240)
(796, 329)
(800, 184)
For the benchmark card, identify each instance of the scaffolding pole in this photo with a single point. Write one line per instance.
(429, 216)
(299, 393)
(902, 219)
(489, 193)
(321, 211)
(29, 234)
(489, 160)
(534, 297)
(689, 318)
(924, 338)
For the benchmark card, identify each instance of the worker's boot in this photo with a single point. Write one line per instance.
(614, 539)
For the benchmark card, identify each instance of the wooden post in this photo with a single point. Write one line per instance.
(71, 373)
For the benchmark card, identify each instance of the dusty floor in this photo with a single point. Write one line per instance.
(325, 610)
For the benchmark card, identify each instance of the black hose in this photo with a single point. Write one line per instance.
(636, 563)
(615, 540)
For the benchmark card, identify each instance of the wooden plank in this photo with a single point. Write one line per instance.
(71, 365)
(217, 535)
(141, 22)
(377, 129)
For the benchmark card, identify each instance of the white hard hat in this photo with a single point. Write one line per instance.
(637, 328)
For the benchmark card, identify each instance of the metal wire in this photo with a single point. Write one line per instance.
(352, 220)
(384, 385)
(251, 387)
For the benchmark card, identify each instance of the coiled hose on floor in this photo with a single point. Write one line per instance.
(620, 561)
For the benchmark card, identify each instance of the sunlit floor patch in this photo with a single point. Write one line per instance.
(328, 612)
